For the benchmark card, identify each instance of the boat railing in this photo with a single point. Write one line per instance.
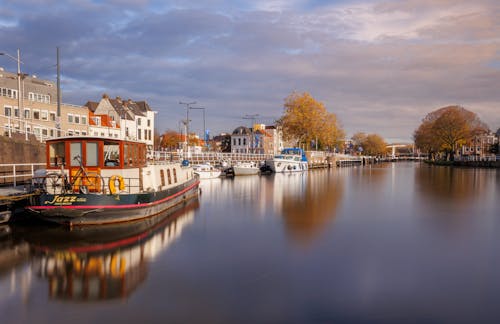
(92, 183)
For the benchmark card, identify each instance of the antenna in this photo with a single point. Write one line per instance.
(252, 118)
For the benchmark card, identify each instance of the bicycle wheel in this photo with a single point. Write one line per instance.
(54, 183)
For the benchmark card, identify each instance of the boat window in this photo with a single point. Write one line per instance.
(92, 152)
(162, 177)
(175, 176)
(111, 154)
(75, 153)
(126, 155)
(169, 177)
(57, 153)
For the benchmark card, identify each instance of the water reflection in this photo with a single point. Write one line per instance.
(308, 202)
(90, 264)
(446, 183)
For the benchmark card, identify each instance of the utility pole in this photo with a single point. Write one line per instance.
(187, 120)
(58, 118)
(252, 118)
(204, 125)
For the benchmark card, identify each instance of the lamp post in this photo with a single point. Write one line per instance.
(19, 89)
(187, 119)
(204, 125)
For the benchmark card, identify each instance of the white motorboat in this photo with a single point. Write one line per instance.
(206, 171)
(290, 160)
(246, 168)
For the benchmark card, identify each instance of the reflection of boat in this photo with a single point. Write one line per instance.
(290, 160)
(4, 216)
(246, 168)
(108, 262)
(206, 171)
(91, 180)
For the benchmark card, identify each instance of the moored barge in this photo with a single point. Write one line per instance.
(94, 181)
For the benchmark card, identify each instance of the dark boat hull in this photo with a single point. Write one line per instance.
(94, 209)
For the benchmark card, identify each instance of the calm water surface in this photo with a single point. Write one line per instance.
(385, 244)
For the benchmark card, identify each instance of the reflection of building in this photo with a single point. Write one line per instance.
(111, 268)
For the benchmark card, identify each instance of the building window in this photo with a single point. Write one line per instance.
(138, 134)
(169, 177)
(52, 116)
(84, 120)
(149, 122)
(36, 114)
(70, 118)
(126, 131)
(77, 119)
(139, 121)
(16, 112)
(45, 115)
(8, 111)
(27, 113)
(51, 132)
(239, 141)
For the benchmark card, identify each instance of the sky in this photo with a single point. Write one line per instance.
(379, 65)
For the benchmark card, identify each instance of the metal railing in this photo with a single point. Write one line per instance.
(13, 174)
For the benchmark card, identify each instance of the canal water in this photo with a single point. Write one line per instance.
(390, 243)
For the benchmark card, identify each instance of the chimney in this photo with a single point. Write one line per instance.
(105, 96)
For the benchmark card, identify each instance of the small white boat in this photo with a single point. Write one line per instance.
(290, 160)
(206, 171)
(246, 168)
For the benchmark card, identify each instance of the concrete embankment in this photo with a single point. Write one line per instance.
(467, 164)
(17, 150)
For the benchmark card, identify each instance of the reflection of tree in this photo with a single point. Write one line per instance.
(100, 264)
(306, 214)
(450, 184)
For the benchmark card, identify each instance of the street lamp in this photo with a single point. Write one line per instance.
(19, 89)
(187, 119)
(204, 125)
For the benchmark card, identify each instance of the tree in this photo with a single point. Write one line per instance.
(446, 129)
(371, 144)
(170, 140)
(156, 140)
(306, 120)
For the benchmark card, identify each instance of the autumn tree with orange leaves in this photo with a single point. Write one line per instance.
(371, 144)
(445, 130)
(306, 120)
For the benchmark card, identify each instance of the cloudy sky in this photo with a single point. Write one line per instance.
(380, 66)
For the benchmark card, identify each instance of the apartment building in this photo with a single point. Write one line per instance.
(133, 120)
(114, 118)
(38, 112)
